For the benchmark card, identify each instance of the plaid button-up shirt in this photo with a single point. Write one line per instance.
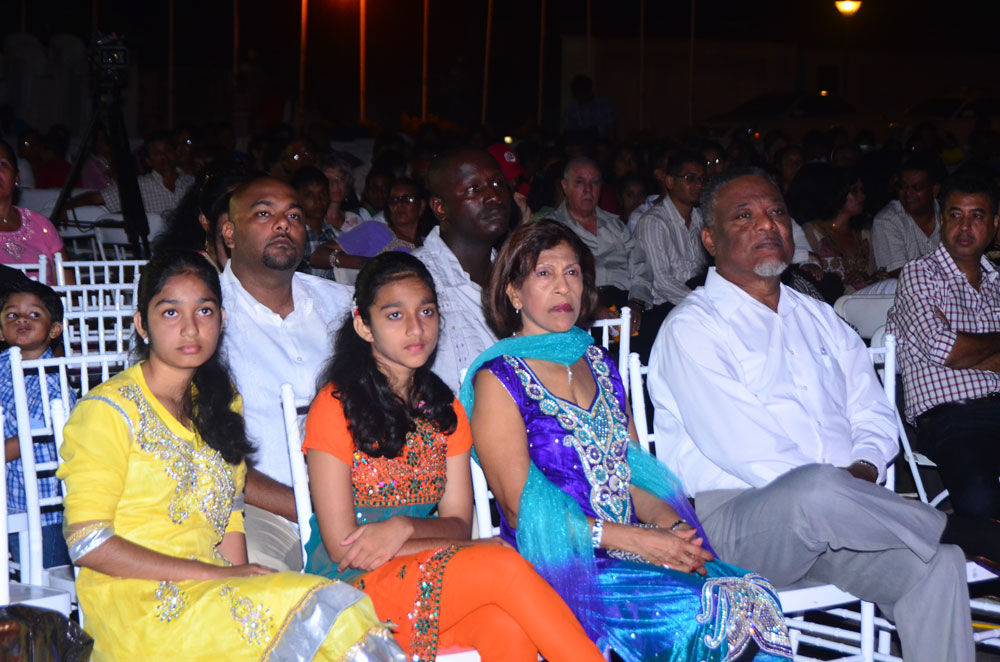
(45, 448)
(928, 286)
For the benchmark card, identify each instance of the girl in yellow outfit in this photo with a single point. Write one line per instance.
(154, 470)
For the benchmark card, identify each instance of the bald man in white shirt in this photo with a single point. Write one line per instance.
(768, 409)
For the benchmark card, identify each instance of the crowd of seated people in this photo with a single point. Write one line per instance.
(373, 286)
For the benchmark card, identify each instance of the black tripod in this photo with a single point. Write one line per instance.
(109, 59)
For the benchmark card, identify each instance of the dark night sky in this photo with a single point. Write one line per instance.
(270, 39)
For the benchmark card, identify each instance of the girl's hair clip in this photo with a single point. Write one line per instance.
(354, 307)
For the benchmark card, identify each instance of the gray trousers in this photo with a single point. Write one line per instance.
(817, 523)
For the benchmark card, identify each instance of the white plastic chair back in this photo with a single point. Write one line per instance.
(618, 329)
(913, 460)
(98, 272)
(297, 460)
(34, 270)
(481, 497)
(100, 332)
(99, 297)
(19, 593)
(72, 372)
(865, 312)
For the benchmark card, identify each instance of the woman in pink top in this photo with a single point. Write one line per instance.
(24, 234)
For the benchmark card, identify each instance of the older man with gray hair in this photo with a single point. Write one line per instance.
(768, 409)
(623, 277)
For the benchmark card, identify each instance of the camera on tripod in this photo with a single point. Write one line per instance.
(109, 58)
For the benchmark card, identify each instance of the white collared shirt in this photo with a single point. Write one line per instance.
(673, 250)
(897, 239)
(265, 351)
(464, 332)
(743, 394)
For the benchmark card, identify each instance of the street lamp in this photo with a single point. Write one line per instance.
(848, 7)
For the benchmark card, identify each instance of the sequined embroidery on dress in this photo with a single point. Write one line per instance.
(14, 242)
(254, 622)
(427, 607)
(172, 601)
(599, 436)
(204, 480)
(416, 475)
(741, 609)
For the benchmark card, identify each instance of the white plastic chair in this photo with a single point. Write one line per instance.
(34, 270)
(303, 503)
(98, 272)
(297, 460)
(79, 372)
(99, 297)
(32, 595)
(100, 332)
(865, 312)
(974, 573)
(623, 324)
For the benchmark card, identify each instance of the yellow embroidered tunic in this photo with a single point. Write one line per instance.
(132, 470)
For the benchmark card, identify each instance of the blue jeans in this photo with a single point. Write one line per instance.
(54, 550)
(961, 438)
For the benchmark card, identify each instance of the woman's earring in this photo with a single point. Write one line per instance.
(145, 340)
(517, 310)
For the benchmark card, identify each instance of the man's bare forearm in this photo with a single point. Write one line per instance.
(270, 495)
(980, 351)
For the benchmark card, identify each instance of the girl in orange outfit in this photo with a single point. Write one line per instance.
(387, 446)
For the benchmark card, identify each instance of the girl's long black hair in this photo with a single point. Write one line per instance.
(214, 392)
(379, 419)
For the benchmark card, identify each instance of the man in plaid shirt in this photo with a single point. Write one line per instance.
(947, 320)
(31, 318)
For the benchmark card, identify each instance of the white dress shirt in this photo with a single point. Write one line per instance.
(265, 351)
(897, 239)
(744, 394)
(673, 250)
(464, 332)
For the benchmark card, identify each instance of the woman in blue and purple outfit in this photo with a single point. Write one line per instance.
(604, 522)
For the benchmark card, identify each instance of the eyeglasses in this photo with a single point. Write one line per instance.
(691, 178)
(403, 200)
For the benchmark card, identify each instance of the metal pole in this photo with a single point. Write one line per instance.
(236, 38)
(691, 67)
(171, 64)
(303, 41)
(423, 76)
(362, 49)
(642, 64)
(486, 59)
(541, 62)
(590, 60)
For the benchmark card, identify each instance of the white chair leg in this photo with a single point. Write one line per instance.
(867, 632)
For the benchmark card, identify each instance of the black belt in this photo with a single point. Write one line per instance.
(956, 406)
(303, 410)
